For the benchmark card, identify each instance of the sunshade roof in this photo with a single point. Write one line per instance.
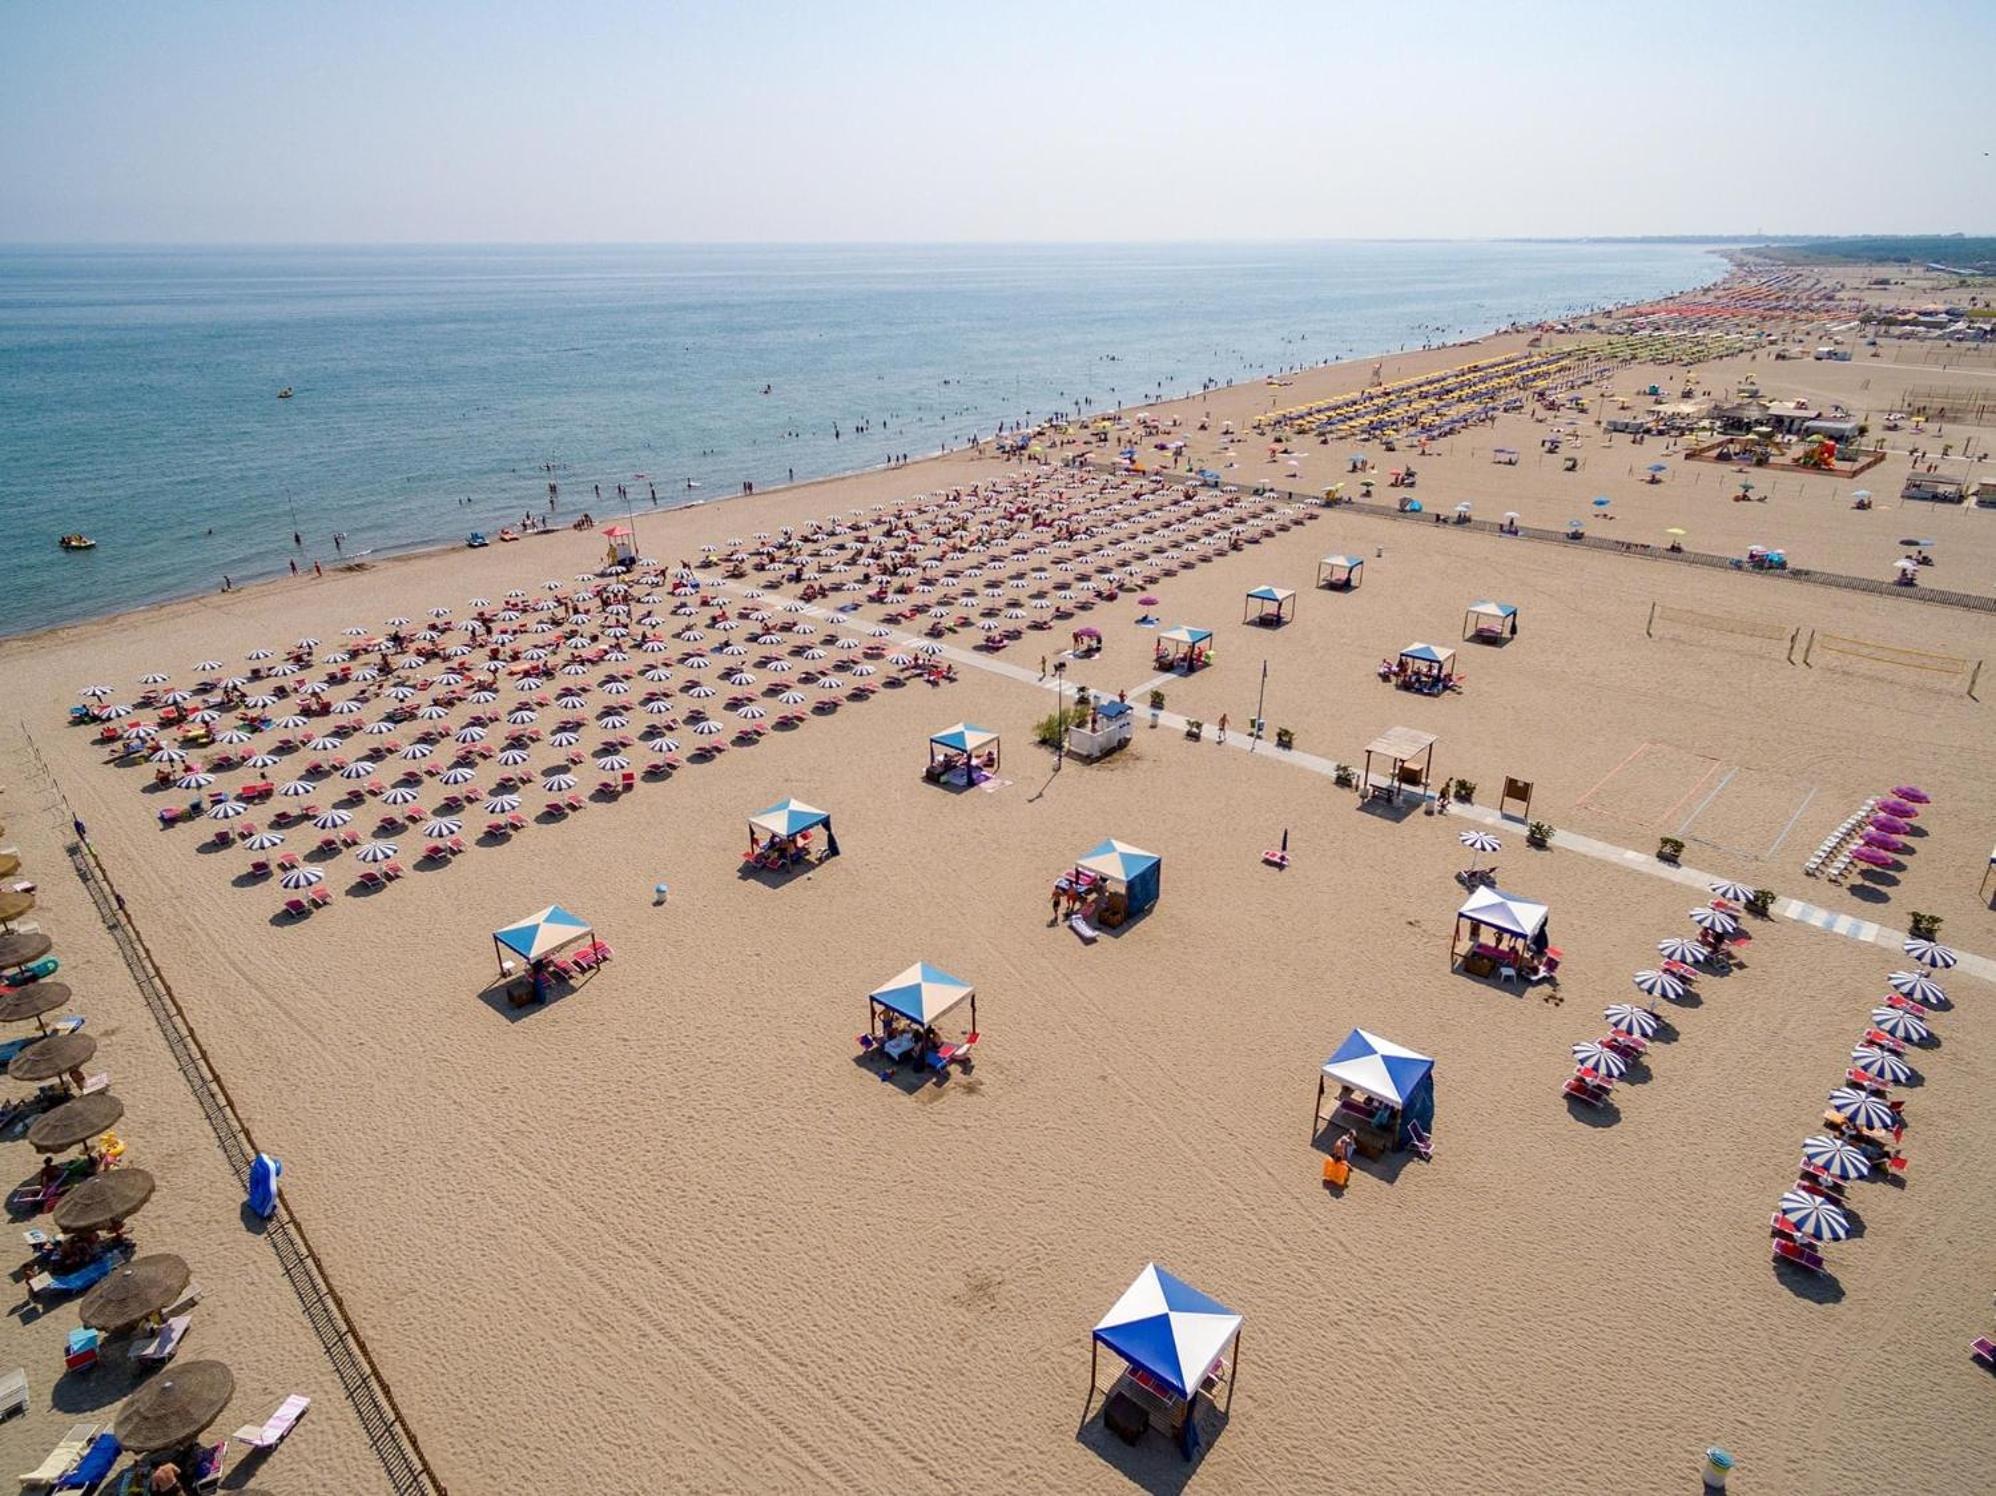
(1184, 635)
(965, 737)
(1118, 860)
(1512, 913)
(1493, 610)
(1401, 743)
(1271, 594)
(537, 934)
(1348, 563)
(922, 992)
(1168, 1328)
(1378, 1067)
(788, 817)
(1433, 653)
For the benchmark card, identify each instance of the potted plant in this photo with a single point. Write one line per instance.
(1538, 834)
(1669, 849)
(1924, 926)
(1342, 776)
(1193, 728)
(1760, 902)
(1463, 790)
(1284, 738)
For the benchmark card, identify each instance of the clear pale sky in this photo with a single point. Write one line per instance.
(610, 120)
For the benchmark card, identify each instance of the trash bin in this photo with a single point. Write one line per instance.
(1718, 1464)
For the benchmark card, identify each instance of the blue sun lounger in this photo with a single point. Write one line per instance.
(89, 1472)
(76, 1282)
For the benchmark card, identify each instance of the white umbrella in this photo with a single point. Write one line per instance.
(195, 781)
(1716, 920)
(226, 810)
(263, 841)
(1917, 985)
(610, 763)
(401, 794)
(1813, 1216)
(442, 826)
(459, 775)
(1733, 893)
(1929, 953)
(302, 877)
(1835, 1157)
(332, 820)
(375, 851)
(708, 728)
(1879, 1064)
(500, 805)
(295, 789)
(1678, 948)
(360, 768)
(1900, 1025)
(1625, 1018)
(555, 783)
(1658, 984)
(1600, 1059)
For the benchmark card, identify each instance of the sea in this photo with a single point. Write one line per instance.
(439, 390)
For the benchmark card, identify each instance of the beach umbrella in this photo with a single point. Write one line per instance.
(1885, 843)
(1479, 842)
(416, 750)
(1917, 985)
(196, 781)
(208, 665)
(58, 1054)
(324, 743)
(1929, 953)
(457, 776)
(1835, 1158)
(1891, 824)
(751, 712)
(401, 794)
(175, 1406)
(1871, 856)
(707, 729)
(702, 692)
(142, 1287)
(555, 783)
(1600, 1059)
(1813, 1216)
(260, 761)
(360, 768)
(295, 789)
(290, 722)
(611, 720)
(1862, 1109)
(792, 698)
(500, 805)
(332, 820)
(610, 763)
(263, 841)
(470, 735)
(379, 729)
(1901, 1025)
(104, 1200)
(1716, 920)
(168, 756)
(375, 851)
(1659, 984)
(1912, 793)
(75, 1122)
(302, 877)
(564, 738)
(19, 1004)
(1734, 893)
(226, 810)
(511, 757)
(1880, 1065)
(1624, 1018)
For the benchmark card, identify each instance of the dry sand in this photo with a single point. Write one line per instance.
(669, 1224)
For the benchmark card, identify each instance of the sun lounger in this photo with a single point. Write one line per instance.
(207, 1472)
(62, 1459)
(1581, 1089)
(90, 1471)
(392, 870)
(1983, 1349)
(1798, 1255)
(273, 1429)
(79, 1352)
(1421, 1142)
(1088, 933)
(297, 908)
(319, 896)
(162, 1343)
(75, 1282)
(14, 1392)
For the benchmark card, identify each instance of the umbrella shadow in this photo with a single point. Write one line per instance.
(114, 1377)
(1817, 1288)
(1153, 1462)
(1607, 1114)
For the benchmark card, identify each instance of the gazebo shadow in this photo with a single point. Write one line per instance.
(1395, 811)
(496, 995)
(909, 1080)
(1153, 1463)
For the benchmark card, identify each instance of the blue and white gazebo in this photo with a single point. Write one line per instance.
(1341, 573)
(539, 935)
(1397, 1078)
(921, 994)
(782, 823)
(1271, 607)
(1138, 871)
(1184, 648)
(965, 741)
(1173, 1337)
(1490, 621)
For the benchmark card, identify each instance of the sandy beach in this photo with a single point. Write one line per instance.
(675, 1222)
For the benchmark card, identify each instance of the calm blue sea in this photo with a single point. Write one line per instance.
(137, 387)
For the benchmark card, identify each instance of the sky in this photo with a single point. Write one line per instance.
(491, 121)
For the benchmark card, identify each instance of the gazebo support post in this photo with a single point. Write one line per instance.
(1094, 1354)
(1234, 1374)
(1317, 1112)
(973, 1012)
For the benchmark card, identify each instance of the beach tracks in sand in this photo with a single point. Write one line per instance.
(1671, 790)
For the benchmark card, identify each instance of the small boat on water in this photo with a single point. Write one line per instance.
(476, 540)
(285, 393)
(77, 543)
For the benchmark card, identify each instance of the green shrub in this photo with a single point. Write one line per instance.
(1462, 789)
(1194, 727)
(1284, 738)
(1157, 701)
(1538, 834)
(1051, 730)
(1669, 849)
(1343, 776)
(1924, 926)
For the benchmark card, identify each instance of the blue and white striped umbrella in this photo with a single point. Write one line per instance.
(442, 826)
(1900, 1025)
(1716, 920)
(1861, 1109)
(1917, 985)
(708, 728)
(1880, 1065)
(263, 841)
(1658, 984)
(1732, 893)
(457, 776)
(500, 805)
(555, 783)
(324, 743)
(1930, 953)
(295, 789)
(401, 794)
(260, 761)
(1678, 948)
(1835, 1158)
(194, 781)
(1813, 1216)
(302, 877)
(1600, 1059)
(360, 768)
(610, 763)
(512, 757)
(375, 851)
(332, 820)
(1624, 1018)
(226, 810)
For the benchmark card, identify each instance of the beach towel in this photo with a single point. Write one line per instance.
(1088, 933)
(263, 1176)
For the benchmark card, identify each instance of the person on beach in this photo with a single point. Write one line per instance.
(1223, 727)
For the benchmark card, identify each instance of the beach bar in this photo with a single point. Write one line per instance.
(963, 754)
(1173, 1341)
(782, 835)
(1409, 756)
(1490, 622)
(1270, 607)
(1385, 1095)
(1340, 573)
(1498, 932)
(1184, 649)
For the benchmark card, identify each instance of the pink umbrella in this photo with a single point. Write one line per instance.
(1870, 857)
(1899, 808)
(1885, 843)
(1147, 601)
(1912, 792)
(1891, 824)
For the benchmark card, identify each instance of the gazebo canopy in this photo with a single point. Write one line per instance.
(1169, 1329)
(1512, 913)
(1271, 594)
(1428, 654)
(1118, 860)
(540, 934)
(1378, 1067)
(965, 737)
(1343, 563)
(1191, 638)
(1487, 609)
(1401, 744)
(788, 817)
(922, 993)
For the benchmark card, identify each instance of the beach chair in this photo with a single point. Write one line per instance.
(79, 1352)
(1421, 1142)
(259, 868)
(516, 822)
(90, 1471)
(497, 828)
(62, 1459)
(297, 908)
(1275, 857)
(456, 845)
(1796, 1254)
(1983, 1350)
(158, 1348)
(349, 837)
(1580, 1089)
(270, 1433)
(370, 879)
(319, 895)
(392, 870)
(75, 1282)
(206, 1475)
(14, 1392)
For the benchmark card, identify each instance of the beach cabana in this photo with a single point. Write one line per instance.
(539, 936)
(1173, 1341)
(922, 995)
(1271, 607)
(1424, 667)
(1409, 755)
(1124, 878)
(1495, 930)
(1340, 573)
(1382, 1088)
(1183, 648)
(1490, 622)
(622, 549)
(785, 830)
(965, 749)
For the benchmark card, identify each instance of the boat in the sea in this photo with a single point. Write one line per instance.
(77, 543)
(285, 393)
